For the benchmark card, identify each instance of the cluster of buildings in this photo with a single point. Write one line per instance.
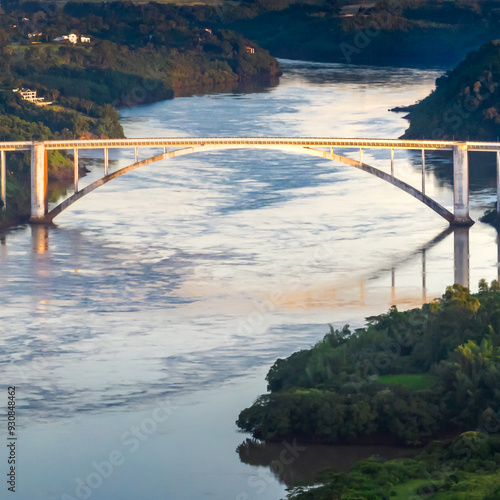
(72, 38)
(31, 96)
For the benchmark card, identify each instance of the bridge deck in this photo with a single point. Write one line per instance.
(255, 141)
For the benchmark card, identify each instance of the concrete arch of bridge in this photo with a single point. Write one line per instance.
(439, 209)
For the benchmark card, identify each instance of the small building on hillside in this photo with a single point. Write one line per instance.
(31, 96)
(250, 50)
(72, 38)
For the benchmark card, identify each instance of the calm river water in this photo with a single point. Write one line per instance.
(138, 327)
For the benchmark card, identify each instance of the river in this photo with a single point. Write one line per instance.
(138, 326)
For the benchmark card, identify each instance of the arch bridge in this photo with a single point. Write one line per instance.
(315, 146)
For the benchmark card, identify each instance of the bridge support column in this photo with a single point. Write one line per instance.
(498, 182)
(423, 171)
(75, 172)
(461, 186)
(136, 155)
(106, 161)
(3, 180)
(498, 256)
(392, 162)
(39, 181)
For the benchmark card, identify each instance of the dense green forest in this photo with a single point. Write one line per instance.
(407, 377)
(466, 102)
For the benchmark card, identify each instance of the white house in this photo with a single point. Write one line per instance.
(31, 96)
(72, 38)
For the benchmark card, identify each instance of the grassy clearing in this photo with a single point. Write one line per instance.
(409, 489)
(415, 382)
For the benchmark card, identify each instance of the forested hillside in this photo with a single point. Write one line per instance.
(466, 102)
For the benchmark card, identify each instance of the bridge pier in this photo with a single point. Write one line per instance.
(3, 180)
(498, 182)
(423, 171)
(106, 161)
(39, 181)
(75, 170)
(461, 186)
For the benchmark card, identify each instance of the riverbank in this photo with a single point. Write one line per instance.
(408, 377)
(465, 467)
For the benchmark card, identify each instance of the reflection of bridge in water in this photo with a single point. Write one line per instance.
(314, 146)
(461, 269)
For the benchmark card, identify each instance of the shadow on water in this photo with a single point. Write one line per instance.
(293, 463)
(326, 73)
(255, 86)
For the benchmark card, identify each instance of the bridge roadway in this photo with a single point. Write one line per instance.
(320, 142)
(314, 146)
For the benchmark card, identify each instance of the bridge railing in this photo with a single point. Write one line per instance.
(39, 163)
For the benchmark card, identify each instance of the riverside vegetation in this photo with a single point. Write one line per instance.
(466, 102)
(426, 376)
(137, 54)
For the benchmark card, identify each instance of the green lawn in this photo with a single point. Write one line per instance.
(411, 381)
(409, 489)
